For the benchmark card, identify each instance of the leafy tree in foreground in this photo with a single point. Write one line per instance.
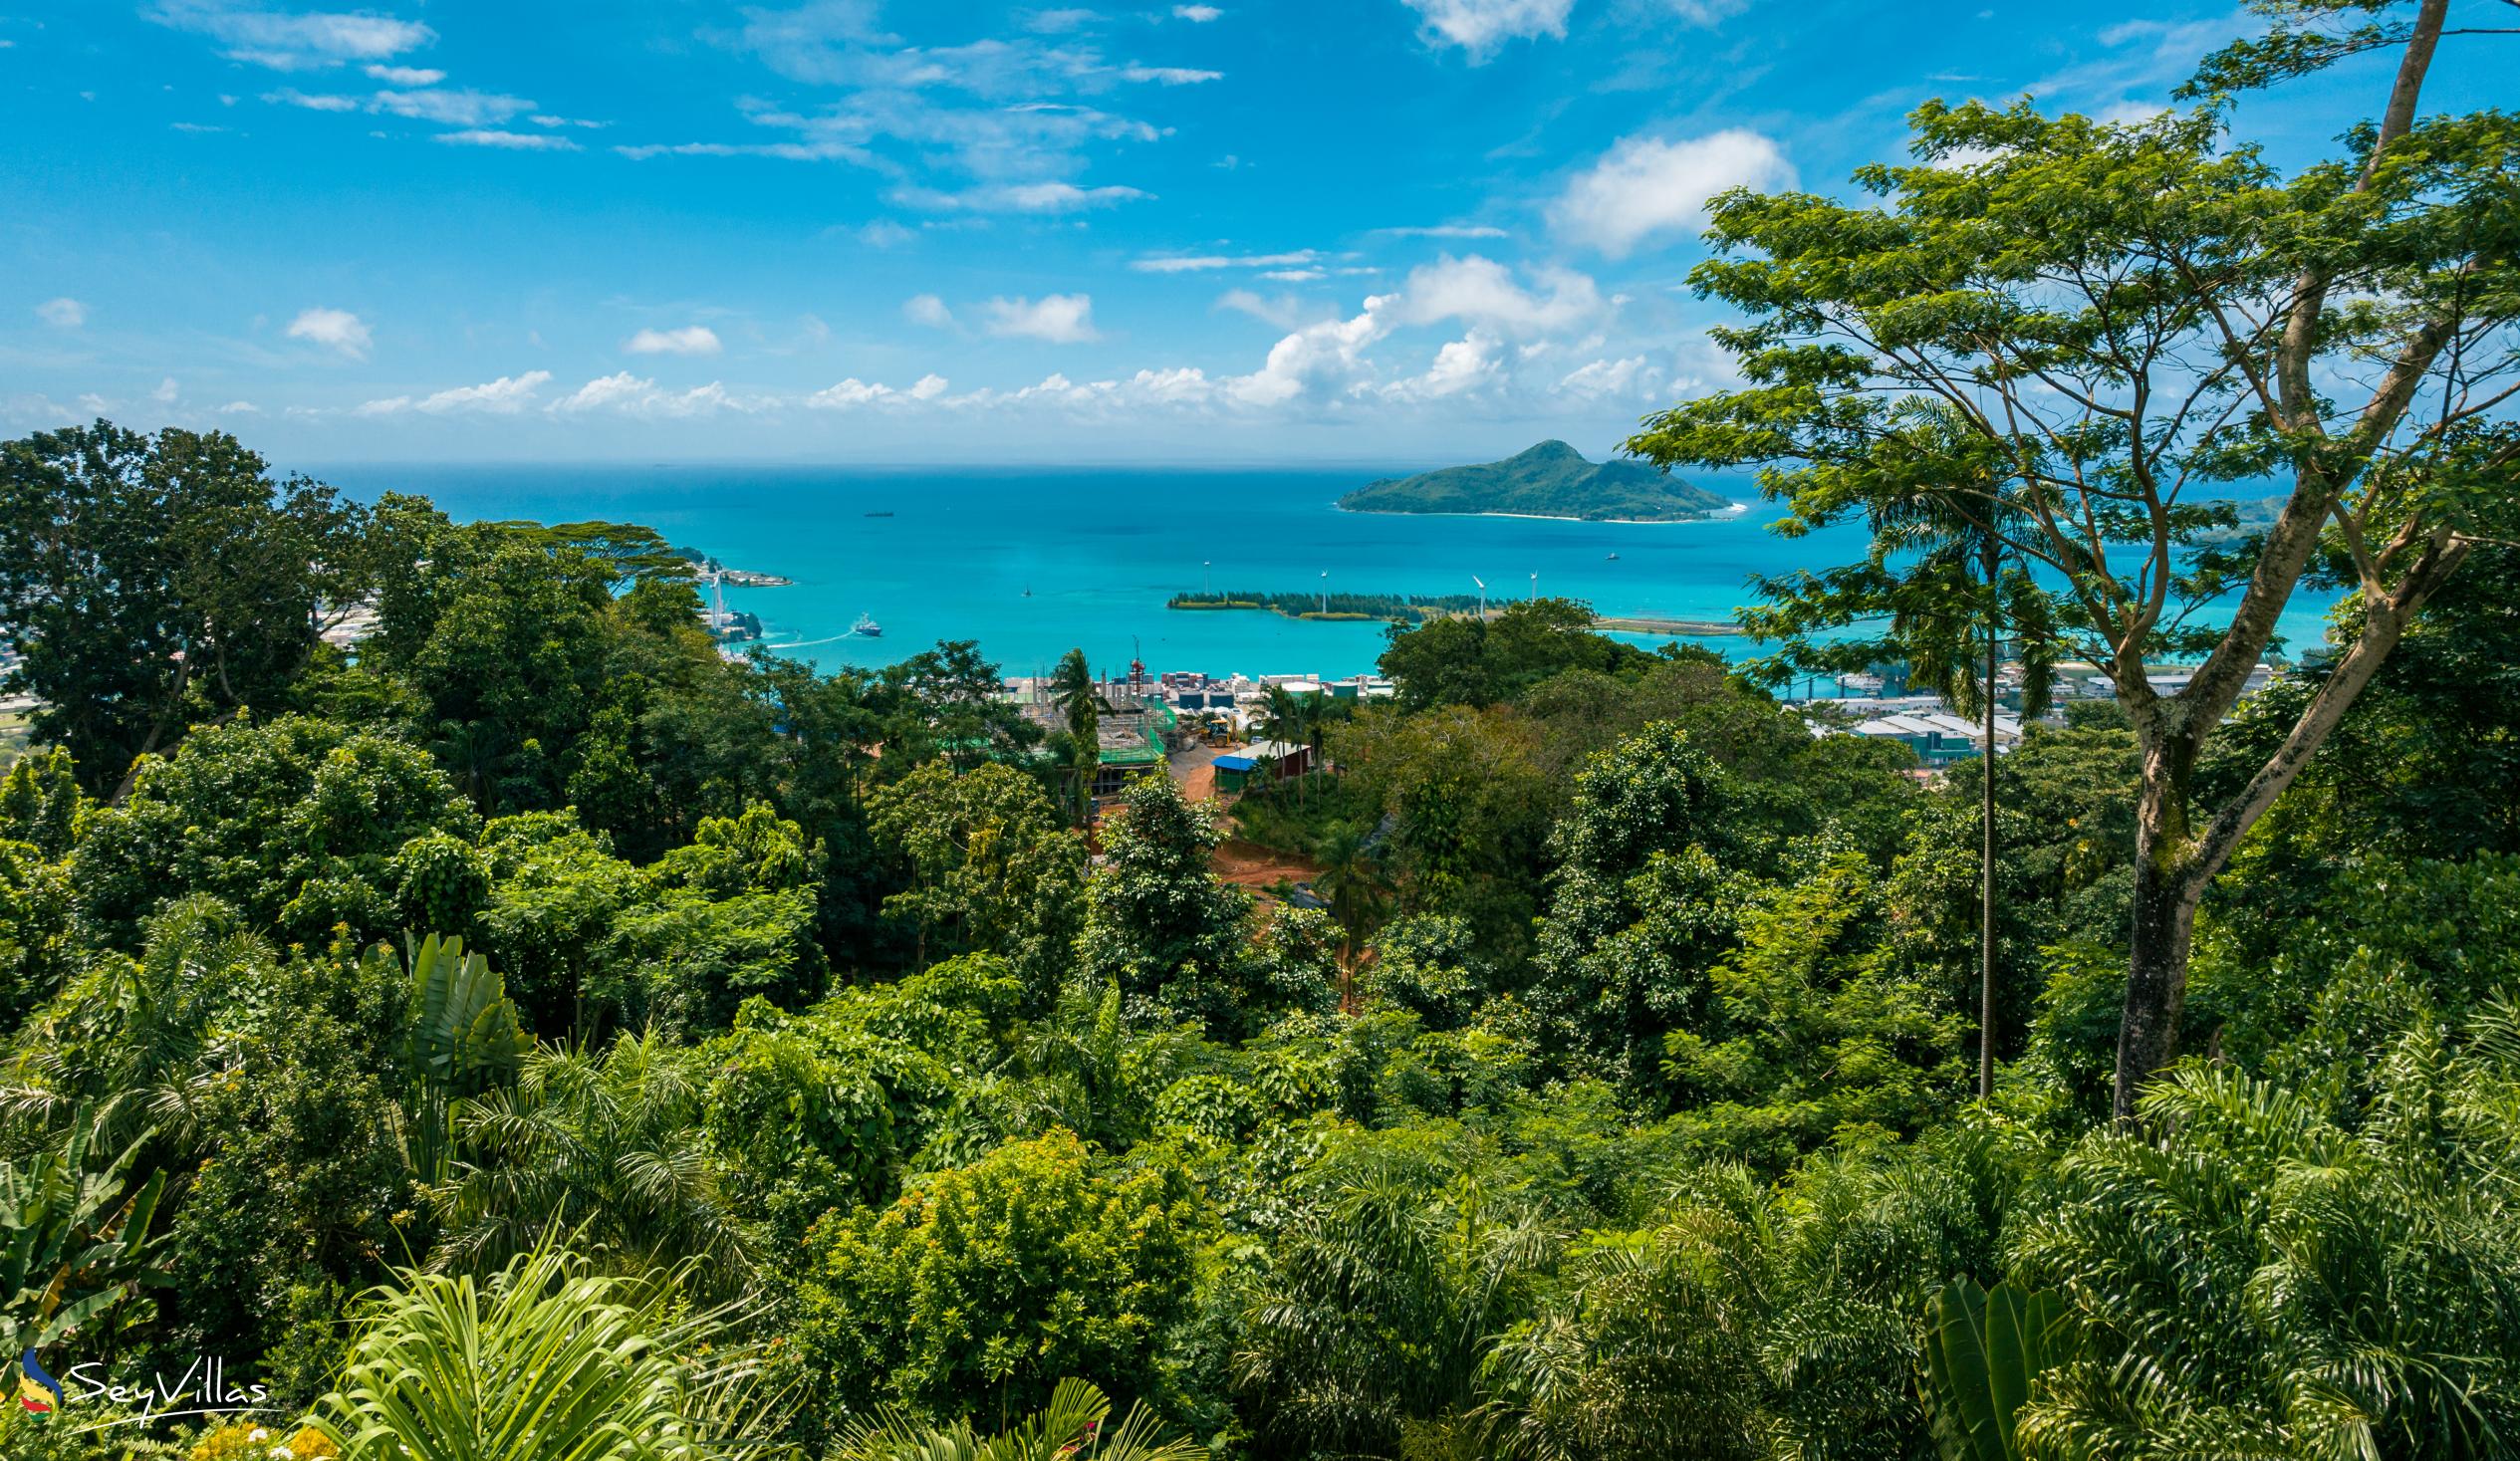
(2104, 324)
(978, 1290)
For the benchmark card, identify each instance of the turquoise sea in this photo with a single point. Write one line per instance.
(1101, 550)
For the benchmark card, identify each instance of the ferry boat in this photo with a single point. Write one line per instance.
(866, 629)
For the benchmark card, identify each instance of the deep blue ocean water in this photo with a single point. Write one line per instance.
(1103, 548)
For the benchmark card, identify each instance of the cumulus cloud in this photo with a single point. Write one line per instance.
(856, 392)
(1062, 319)
(1196, 13)
(1481, 26)
(513, 142)
(1480, 291)
(1171, 76)
(623, 393)
(262, 36)
(338, 331)
(1323, 359)
(62, 313)
(407, 75)
(451, 109)
(506, 397)
(1629, 377)
(168, 392)
(1646, 185)
(927, 310)
(1461, 364)
(1444, 230)
(690, 340)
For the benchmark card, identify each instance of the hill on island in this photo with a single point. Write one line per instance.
(1551, 480)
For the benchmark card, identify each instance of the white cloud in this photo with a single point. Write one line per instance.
(240, 409)
(1621, 378)
(506, 397)
(1461, 364)
(1323, 359)
(452, 109)
(1481, 26)
(168, 392)
(1481, 291)
(62, 313)
(1292, 276)
(1706, 12)
(856, 392)
(690, 340)
(928, 310)
(1646, 185)
(513, 142)
(339, 330)
(883, 233)
(407, 75)
(1444, 230)
(291, 97)
(1021, 197)
(627, 394)
(1285, 310)
(1171, 76)
(1062, 319)
(1196, 13)
(1192, 262)
(285, 42)
(544, 118)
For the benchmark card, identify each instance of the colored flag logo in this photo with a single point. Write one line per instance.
(38, 1393)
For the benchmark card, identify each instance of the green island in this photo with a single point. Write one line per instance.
(1550, 480)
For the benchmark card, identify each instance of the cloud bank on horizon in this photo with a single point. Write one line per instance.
(869, 229)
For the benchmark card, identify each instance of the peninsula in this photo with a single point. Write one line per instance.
(1551, 480)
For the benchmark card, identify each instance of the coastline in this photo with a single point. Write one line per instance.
(1736, 510)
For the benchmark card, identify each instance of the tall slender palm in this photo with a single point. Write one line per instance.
(1945, 574)
(1072, 691)
(1958, 593)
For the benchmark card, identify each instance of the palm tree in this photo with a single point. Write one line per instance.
(1945, 573)
(548, 1360)
(1353, 881)
(1072, 691)
(607, 1147)
(1069, 1428)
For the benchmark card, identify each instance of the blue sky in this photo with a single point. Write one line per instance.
(850, 230)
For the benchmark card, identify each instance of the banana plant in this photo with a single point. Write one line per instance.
(462, 1037)
(1983, 1348)
(1069, 1428)
(75, 1240)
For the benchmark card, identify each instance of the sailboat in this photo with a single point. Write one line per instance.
(866, 629)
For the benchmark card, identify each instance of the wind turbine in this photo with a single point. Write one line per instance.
(1204, 591)
(1482, 582)
(1325, 591)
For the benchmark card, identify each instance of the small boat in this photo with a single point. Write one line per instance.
(866, 629)
(878, 515)
(1614, 558)
(1028, 592)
